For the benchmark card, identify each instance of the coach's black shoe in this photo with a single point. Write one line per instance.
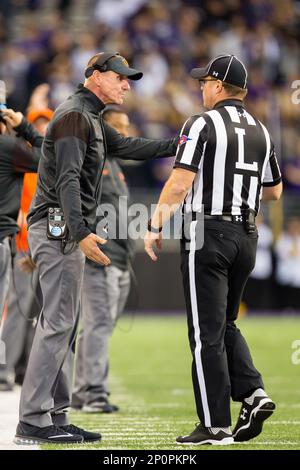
(252, 415)
(27, 434)
(86, 435)
(202, 435)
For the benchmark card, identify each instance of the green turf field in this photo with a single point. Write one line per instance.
(150, 381)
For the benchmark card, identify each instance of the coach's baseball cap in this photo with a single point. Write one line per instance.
(227, 68)
(113, 61)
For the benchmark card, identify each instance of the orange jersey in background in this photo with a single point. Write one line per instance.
(29, 186)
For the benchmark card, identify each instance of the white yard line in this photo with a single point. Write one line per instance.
(129, 429)
(270, 443)
(288, 405)
(293, 423)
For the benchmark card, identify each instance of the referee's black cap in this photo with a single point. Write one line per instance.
(227, 68)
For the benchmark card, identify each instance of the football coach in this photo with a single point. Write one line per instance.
(61, 221)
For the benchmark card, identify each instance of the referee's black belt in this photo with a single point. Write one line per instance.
(236, 219)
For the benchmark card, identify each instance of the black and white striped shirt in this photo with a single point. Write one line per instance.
(233, 156)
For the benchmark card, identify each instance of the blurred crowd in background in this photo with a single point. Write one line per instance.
(51, 42)
(42, 41)
(274, 284)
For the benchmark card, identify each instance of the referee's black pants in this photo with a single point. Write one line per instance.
(214, 277)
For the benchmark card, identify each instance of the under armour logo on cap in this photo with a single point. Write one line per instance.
(227, 68)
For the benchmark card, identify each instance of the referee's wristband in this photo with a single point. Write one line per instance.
(153, 229)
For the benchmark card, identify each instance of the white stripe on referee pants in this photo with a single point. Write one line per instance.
(194, 307)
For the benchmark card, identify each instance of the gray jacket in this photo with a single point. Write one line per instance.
(73, 156)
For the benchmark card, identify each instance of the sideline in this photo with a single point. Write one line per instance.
(9, 407)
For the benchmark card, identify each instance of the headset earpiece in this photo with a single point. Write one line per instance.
(89, 72)
(101, 63)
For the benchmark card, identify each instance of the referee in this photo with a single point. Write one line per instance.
(225, 163)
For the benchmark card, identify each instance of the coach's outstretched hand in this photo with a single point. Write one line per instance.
(89, 246)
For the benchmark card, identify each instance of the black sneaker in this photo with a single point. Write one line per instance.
(102, 406)
(202, 435)
(86, 435)
(251, 418)
(27, 434)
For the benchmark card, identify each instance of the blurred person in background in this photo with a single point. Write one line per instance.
(291, 168)
(16, 158)
(258, 293)
(22, 306)
(86, 47)
(287, 275)
(105, 11)
(105, 290)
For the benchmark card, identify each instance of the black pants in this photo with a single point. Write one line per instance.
(214, 278)
(265, 299)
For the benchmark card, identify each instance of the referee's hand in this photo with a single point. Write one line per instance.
(89, 246)
(149, 240)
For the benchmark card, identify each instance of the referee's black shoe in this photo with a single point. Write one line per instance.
(27, 434)
(87, 436)
(252, 415)
(202, 436)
